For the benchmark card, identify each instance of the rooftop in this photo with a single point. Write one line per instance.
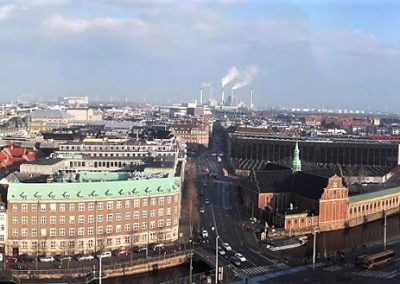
(91, 190)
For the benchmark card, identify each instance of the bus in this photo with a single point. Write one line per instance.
(370, 261)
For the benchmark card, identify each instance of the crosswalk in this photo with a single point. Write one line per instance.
(378, 274)
(261, 269)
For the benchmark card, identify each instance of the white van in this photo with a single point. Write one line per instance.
(104, 254)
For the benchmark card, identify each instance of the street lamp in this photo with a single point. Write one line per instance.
(384, 230)
(314, 245)
(216, 254)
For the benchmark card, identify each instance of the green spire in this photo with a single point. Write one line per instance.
(296, 163)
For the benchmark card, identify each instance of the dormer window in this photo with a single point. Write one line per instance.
(334, 185)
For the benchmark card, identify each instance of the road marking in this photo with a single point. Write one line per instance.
(270, 260)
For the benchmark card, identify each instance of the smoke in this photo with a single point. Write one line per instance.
(205, 84)
(246, 76)
(232, 74)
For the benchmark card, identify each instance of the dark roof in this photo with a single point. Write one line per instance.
(273, 181)
(309, 185)
(45, 162)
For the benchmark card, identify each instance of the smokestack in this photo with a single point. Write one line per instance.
(201, 96)
(222, 97)
(251, 99)
(231, 103)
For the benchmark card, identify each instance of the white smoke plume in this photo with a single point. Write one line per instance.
(232, 74)
(205, 84)
(246, 76)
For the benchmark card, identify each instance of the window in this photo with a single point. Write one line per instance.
(118, 204)
(99, 218)
(136, 215)
(118, 229)
(109, 217)
(52, 220)
(152, 224)
(15, 220)
(144, 202)
(52, 244)
(160, 212)
(62, 232)
(62, 244)
(109, 205)
(90, 219)
(160, 223)
(33, 207)
(43, 220)
(53, 207)
(144, 214)
(168, 211)
(152, 213)
(168, 222)
(52, 232)
(62, 220)
(109, 229)
(169, 199)
(24, 208)
(81, 207)
(161, 201)
(15, 208)
(24, 232)
(72, 219)
(127, 216)
(91, 206)
(109, 242)
(62, 207)
(72, 232)
(136, 203)
(34, 245)
(135, 226)
(24, 220)
(127, 227)
(81, 219)
(100, 206)
(127, 204)
(118, 241)
(72, 207)
(90, 231)
(81, 231)
(153, 201)
(127, 239)
(144, 225)
(24, 244)
(34, 233)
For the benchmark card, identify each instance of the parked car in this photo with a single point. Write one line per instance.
(85, 257)
(207, 201)
(46, 259)
(234, 260)
(240, 257)
(221, 251)
(226, 246)
(140, 249)
(158, 246)
(64, 258)
(202, 210)
(26, 258)
(204, 234)
(122, 252)
(104, 254)
(10, 259)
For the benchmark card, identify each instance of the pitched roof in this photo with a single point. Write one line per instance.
(91, 190)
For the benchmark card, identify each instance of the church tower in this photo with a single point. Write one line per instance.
(296, 163)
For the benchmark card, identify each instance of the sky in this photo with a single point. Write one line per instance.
(337, 54)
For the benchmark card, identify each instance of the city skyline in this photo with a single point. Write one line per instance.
(337, 54)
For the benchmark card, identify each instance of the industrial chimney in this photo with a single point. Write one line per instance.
(222, 97)
(201, 96)
(251, 99)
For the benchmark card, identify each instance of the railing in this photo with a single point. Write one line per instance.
(88, 270)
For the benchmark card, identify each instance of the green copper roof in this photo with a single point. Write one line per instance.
(86, 176)
(91, 190)
(375, 194)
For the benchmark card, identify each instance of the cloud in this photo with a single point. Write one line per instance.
(5, 11)
(60, 23)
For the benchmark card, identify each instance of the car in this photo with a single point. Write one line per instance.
(240, 257)
(140, 249)
(201, 192)
(201, 209)
(221, 251)
(64, 258)
(104, 254)
(207, 201)
(46, 259)
(26, 258)
(10, 259)
(226, 246)
(158, 246)
(85, 257)
(204, 234)
(234, 260)
(122, 253)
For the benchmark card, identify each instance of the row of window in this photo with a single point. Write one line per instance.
(109, 205)
(117, 148)
(24, 232)
(373, 206)
(90, 218)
